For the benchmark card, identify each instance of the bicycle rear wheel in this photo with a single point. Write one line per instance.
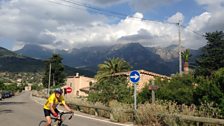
(42, 123)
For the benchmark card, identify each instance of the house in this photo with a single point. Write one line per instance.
(28, 87)
(79, 84)
(145, 77)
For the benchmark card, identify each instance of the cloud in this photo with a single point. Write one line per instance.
(27, 21)
(176, 18)
(211, 5)
(126, 31)
(105, 2)
(138, 5)
(212, 19)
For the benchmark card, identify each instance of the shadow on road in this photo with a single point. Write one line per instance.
(5, 111)
(11, 103)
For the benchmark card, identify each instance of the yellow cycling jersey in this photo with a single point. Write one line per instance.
(53, 100)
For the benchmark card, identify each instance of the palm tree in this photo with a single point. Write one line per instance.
(112, 66)
(185, 55)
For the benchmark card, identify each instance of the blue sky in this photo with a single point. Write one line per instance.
(57, 26)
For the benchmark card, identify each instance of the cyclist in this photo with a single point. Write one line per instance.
(50, 107)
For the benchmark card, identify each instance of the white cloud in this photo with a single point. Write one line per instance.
(176, 18)
(26, 21)
(128, 30)
(212, 5)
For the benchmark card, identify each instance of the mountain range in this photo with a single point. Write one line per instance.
(154, 59)
(13, 62)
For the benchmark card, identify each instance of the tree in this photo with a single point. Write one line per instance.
(112, 66)
(57, 71)
(110, 89)
(185, 55)
(212, 57)
(109, 86)
(2, 85)
(178, 89)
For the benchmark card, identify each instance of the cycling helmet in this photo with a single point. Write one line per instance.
(58, 90)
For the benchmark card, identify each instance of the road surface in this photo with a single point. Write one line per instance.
(23, 111)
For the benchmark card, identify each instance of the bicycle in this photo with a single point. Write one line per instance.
(57, 121)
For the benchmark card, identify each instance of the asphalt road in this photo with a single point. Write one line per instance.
(23, 111)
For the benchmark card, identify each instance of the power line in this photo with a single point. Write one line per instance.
(195, 32)
(75, 4)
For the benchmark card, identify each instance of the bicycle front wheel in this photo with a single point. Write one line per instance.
(42, 123)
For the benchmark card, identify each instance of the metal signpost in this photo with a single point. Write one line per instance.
(153, 88)
(134, 78)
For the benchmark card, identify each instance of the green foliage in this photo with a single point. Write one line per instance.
(57, 71)
(113, 88)
(212, 57)
(37, 87)
(210, 90)
(11, 87)
(112, 66)
(2, 86)
(178, 89)
(110, 86)
(185, 55)
(144, 95)
(218, 78)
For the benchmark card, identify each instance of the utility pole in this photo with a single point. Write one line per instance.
(49, 81)
(179, 48)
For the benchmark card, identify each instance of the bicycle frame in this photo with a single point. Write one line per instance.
(60, 120)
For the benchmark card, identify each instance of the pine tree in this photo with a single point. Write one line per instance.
(212, 57)
(57, 71)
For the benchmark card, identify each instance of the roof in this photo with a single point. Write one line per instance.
(143, 72)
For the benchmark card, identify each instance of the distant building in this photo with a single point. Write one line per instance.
(79, 84)
(28, 87)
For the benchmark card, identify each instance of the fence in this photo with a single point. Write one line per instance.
(199, 121)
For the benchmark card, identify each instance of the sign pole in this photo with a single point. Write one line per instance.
(134, 78)
(153, 92)
(135, 97)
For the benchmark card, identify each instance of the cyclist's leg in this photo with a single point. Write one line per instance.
(48, 118)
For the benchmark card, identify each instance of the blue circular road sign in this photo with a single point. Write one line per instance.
(134, 76)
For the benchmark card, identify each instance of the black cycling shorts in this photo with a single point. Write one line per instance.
(48, 112)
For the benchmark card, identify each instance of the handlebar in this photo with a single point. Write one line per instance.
(63, 113)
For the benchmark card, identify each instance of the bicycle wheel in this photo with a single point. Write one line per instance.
(42, 123)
